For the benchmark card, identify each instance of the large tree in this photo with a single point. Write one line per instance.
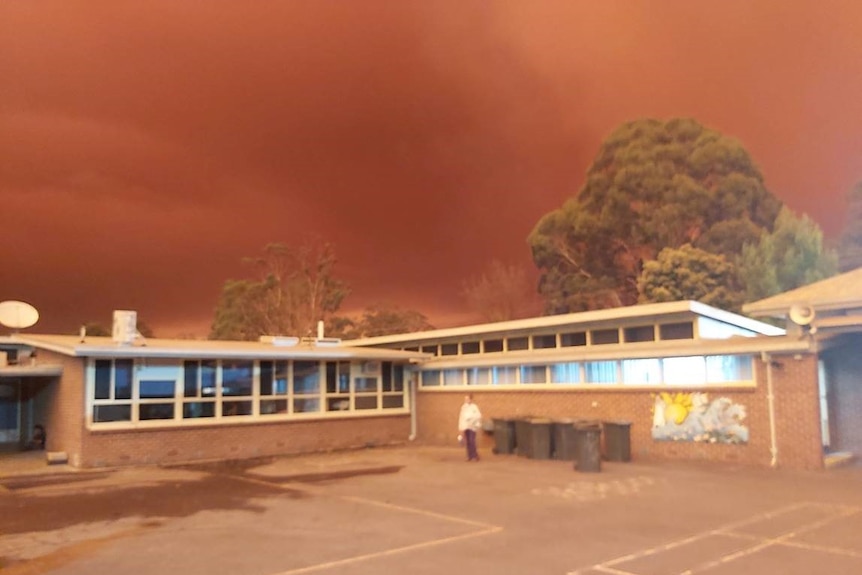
(790, 256)
(501, 292)
(653, 185)
(295, 288)
(850, 243)
(689, 273)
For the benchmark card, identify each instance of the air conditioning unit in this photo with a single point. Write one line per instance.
(125, 327)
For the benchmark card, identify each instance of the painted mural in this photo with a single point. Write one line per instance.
(692, 417)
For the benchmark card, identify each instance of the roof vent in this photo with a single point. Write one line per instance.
(125, 328)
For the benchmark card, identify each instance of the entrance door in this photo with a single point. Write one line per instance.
(10, 412)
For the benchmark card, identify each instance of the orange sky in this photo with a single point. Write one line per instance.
(145, 148)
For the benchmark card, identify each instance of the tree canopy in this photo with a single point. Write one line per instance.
(689, 273)
(653, 185)
(850, 243)
(379, 320)
(296, 287)
(790, 256)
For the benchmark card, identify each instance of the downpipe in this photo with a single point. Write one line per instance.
(412, 400)
(770, 400)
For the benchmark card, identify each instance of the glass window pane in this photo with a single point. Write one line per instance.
(639, 333)
(365, 384)
(449, 349)
(430, 378)
(306, 405)
(123, 379)
(604, 336)
(194, 409)
(280, 385)
(338, 404)
(393, 401)
(533, 374)
(190, 379)
(453, 377)
(684, 370)
(724, 368)
(103, 379)
(573, 339)
(517, 343)
(478, 376)
(237, 378)
(157, 388)
(386, 376)
(544, 341)
(469, 347)
(232, 408)
(365, 402)
(503, 375)
(273, 406)
(683, 330)
(306, 377)
(266, 377)
(398, 376)
(432, 349)
(155, 411)
(492, 345)
(642, 371)
(105, 413)
(566, 373)
(600, 371)
(208, 378)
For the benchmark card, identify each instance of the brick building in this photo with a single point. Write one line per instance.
(695, 382)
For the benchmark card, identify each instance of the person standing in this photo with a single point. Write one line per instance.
(469, 421)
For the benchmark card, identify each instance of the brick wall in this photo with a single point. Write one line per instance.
(59, 406)
(796, 411)
(240, 441)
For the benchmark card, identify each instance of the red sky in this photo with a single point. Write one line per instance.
(147, 147)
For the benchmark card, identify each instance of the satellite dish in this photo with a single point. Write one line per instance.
(17, 314)
(801, 314)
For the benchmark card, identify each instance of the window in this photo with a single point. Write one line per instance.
(430, 378)
(544, 341)
(492, 345)
(199, 389)
(639, 333)
(600, 372)
(534, 374)
(432, 349)
(449, 349)
(366, 392)
(306, 386)
(604, 336)
(517, 343)
(504, 375)
(566, 373)
(273, 387)
(642, 371)
(393, 385)
(684, 370)
(728, 368)
(237, 378)
(453, 377)
(338, 385)
(478, 376)
(157, 381)
(469, 347)
(683, 330)
(573, 339)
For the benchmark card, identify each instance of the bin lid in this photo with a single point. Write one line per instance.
(588, 424)
(617, 422)
(540, 421)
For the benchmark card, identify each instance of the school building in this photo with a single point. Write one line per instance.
(693, 381)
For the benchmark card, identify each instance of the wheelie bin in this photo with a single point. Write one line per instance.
(589, 450)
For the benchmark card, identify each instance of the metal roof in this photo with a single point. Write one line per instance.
(840, 292)
(90, 346)
(647, 312)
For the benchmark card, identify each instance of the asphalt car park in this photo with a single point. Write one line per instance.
(424, 510)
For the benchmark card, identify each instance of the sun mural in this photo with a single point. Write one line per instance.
(692, 417)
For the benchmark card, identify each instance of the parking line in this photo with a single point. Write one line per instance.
(485, 528)
(841, 511)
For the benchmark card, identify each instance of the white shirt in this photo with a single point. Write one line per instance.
(470, 417)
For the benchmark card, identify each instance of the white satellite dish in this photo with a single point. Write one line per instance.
(801, 314)
(18, 314)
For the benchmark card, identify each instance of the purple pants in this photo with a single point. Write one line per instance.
(470, 442)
